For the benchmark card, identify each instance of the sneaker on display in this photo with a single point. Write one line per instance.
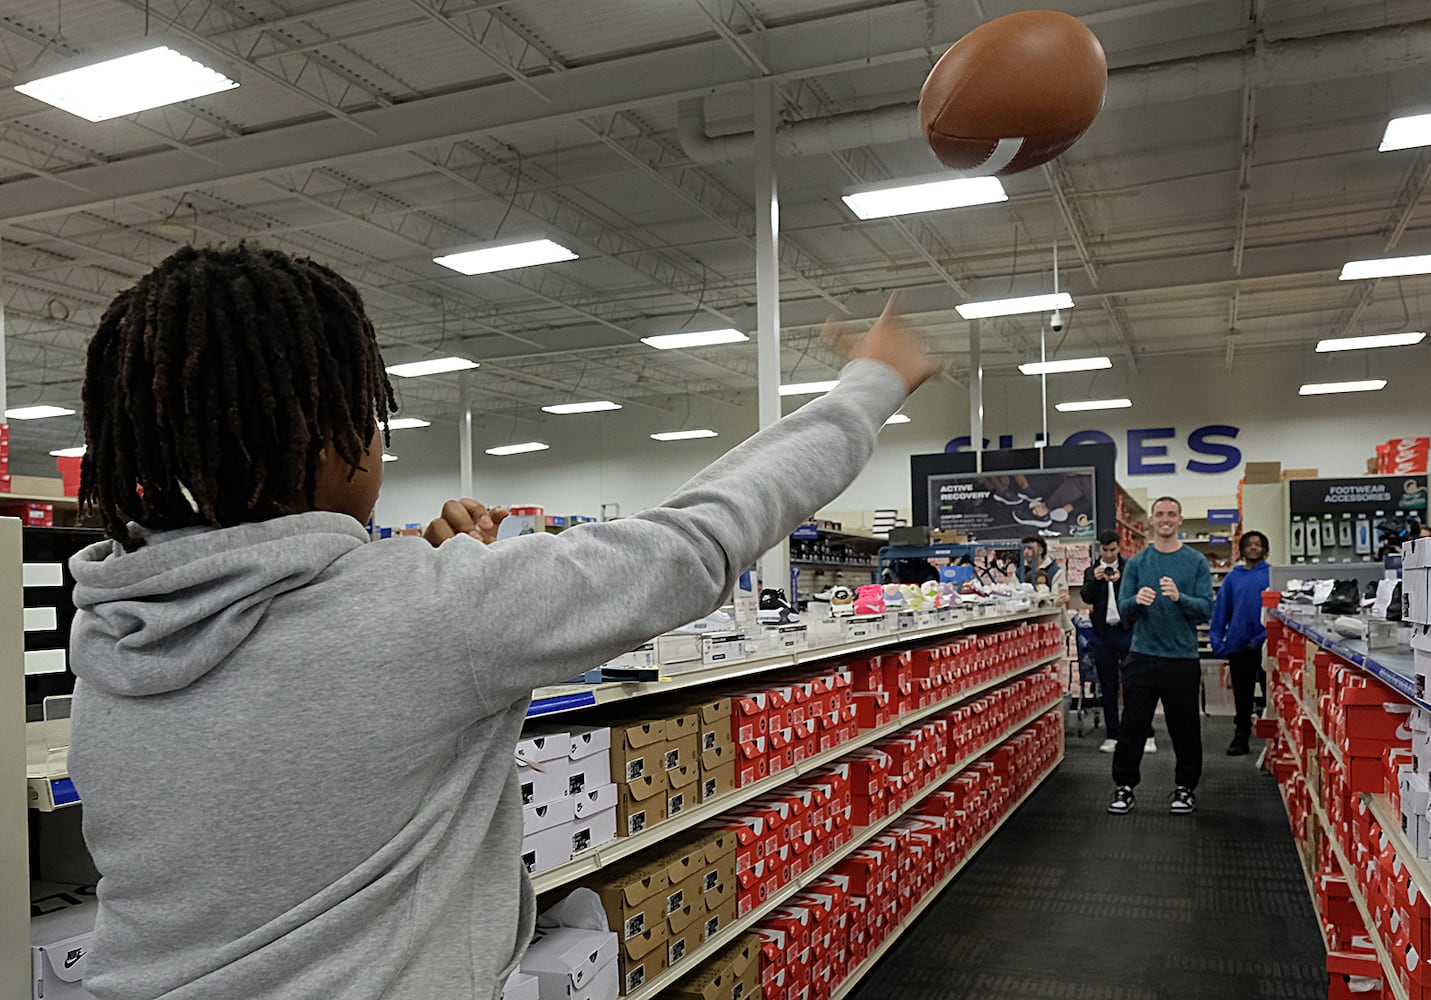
(1122, 801)
(1031, 519)
(775, 609)
(716, 621)
(1183, 800)
(869, 600)
(842, 601)
(1238, 747)
(1108, 746)
(1150, 745)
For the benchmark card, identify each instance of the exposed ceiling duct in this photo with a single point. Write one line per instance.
(1267, 64)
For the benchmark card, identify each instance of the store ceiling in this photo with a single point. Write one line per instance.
(1207, 212)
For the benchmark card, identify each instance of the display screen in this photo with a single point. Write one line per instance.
(1007, 505)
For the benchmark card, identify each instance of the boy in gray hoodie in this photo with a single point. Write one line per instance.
(294, 746)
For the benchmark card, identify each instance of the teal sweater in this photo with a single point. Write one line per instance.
(1166, 627)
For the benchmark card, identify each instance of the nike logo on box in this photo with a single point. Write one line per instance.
(74, 957)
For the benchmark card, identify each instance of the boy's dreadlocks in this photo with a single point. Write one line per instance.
(213, 383)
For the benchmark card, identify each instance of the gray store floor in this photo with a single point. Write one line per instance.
(1071, 903)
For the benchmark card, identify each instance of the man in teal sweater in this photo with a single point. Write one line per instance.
(1166, 593)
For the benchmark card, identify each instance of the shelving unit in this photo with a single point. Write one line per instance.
(666, 977)
(562, 698)
(623, 847)
(14, 818)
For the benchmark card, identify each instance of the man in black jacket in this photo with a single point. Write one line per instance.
(1111, 635)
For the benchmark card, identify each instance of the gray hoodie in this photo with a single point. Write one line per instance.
(294, 746)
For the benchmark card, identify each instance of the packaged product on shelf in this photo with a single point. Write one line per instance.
(573, 962)
(543, 765)
(682, 735)
(521, 986)
(683, 786)
(61, 933)
(719, 904)
(594, 821)
(717, 772)
(590, 757)
(733, 972)
(713, 722)
(638, 749)
(640, 804)
(547, 833)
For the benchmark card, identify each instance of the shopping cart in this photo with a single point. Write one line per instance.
(1085, 695)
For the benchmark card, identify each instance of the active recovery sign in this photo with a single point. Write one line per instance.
(1146, 451)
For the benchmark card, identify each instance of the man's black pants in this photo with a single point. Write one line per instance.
(1246, 670)
(1146, 680)
(1110, 649)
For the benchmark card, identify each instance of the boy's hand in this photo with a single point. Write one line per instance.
(1146, 597)
(1170, 589)
(889, 341)
(465, 517)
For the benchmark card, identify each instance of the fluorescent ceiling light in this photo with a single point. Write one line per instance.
(68, 452)
(592, 406)
(928, 196)
(507, 257)
(696, 338)
(1012, 307)
(1388, 267)
(1375, 340)
(389, 458)
(898, 418)
(518, 449)
(434, 366)
(37, 412)
(1067, 365)
(684, 435)
(126, 84)
(1074, 406)
(807, 388)
(1406, 133)
(407, 423)
(1326, 388)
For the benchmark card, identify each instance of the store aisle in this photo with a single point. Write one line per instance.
(1069, 902)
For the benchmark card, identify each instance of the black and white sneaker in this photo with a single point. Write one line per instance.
(1183, 800)
(775, 609)
(1122, 801)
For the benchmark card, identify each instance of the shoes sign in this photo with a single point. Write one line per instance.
(1147, 448)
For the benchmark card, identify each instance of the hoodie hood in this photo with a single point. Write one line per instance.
(160, 617)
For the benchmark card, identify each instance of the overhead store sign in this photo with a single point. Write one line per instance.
(1368, 495)
(1147, 448)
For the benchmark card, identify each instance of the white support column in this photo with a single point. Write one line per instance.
(976, 397)
(464, 439)
(775, 564)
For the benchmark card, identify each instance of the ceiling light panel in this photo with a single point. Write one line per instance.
(433, 366)
(807, 388)
(506, 257)
(98, 90)
(1406, 133)
(1330, 388)
(38, 412)
(684, 435)
(1387, 267)
(696, 338)
(930, 196)
(1079, 405)
(592, 406)
(1066, 365)
(518, 449)
(1015, 306)
(1370, 341)
(407, 423)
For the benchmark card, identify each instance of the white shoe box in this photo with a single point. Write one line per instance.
(1416, 580)
(546, 834)
(521, 986)
(594, 820)
(590, 757)
(573, 964)
(60, 940)
(1421, 667)
(1415, 794)
(543, 766)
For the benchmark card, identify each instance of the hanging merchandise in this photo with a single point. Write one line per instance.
(1314, 537)
(1299, 545)
(1363, 535)
(1345, 531)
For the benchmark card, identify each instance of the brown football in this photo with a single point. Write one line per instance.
(1013, 93)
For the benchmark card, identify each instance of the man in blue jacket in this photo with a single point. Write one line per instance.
(1166, 593)
(1238, 633)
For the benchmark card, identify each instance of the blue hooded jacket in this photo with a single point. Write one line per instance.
(1237, 616)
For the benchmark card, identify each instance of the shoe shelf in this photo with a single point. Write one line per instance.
(848, 986)
(574, 697)
(1390, 820)
(1314, 717)
(1392, 667)
(601, 857)
(1348, 870)
(693, 959)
